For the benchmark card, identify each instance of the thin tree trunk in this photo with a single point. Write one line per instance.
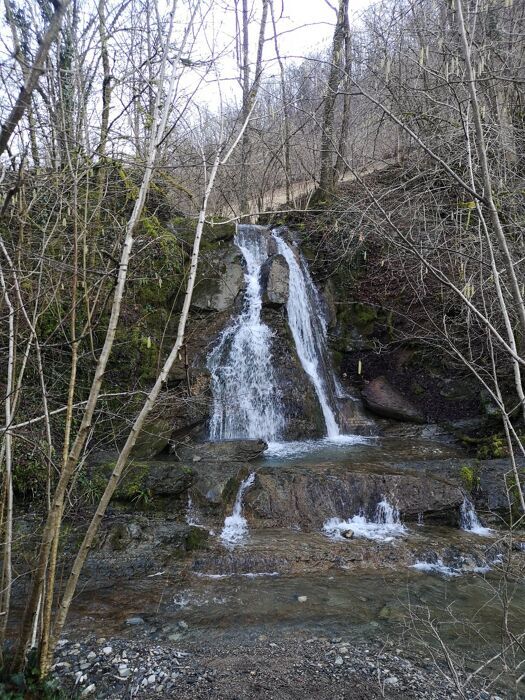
(486, 177)
(24, 98)
(7, 573)
(326, 177)
(149, 403)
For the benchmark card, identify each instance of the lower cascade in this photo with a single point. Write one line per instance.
(385, 525)
(247, 401)
(235, 526)
(468, 519)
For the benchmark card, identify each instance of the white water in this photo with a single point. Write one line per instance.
(385, 526)
(192, 517)
(439, 567)
(235, 527)
(308, 328)
(436, 567)
(469, 519)
(246, 398)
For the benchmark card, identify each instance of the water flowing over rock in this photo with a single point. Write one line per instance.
(305, 497)
(235, 526)
(384, 526)
(246, 398)
(308, 328)
(251, 385)
(469, 519)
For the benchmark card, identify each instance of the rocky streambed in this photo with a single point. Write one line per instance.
(169, 607)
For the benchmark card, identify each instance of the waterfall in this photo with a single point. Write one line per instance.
(385, 525)
(235, 526)
(246, 398)
(308, 328)
(468, 519)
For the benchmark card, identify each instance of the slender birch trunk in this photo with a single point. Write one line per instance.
(7, 573)
(147, 407)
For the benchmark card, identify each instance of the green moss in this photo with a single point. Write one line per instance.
(470, 477)
(132, 486)
(417, 389)
(492, 447)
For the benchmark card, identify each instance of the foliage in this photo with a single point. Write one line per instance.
(29, 686)
(470, 477)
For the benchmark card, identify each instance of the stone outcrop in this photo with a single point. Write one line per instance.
(382, 399)
(275, 280)
(306, 497)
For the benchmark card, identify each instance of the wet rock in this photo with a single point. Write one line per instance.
(275, 281)
(225, 451)
(348, 534)
(307, 496)
(381, 398)
(304, 418)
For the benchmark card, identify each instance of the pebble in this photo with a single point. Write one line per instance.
(302, 599)
(107, 651)
(338, 661)
(134, 621)
(88, 690)
(392, 680)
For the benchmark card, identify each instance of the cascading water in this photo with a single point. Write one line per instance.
(309, 332)
(235, 526)
(246, 398)
(385, 525)
(468, 519)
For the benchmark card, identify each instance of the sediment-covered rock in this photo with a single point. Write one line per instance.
(220, 282)
(221, 451)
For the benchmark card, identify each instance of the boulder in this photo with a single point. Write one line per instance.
(153, 438)
(216, 484)
(275, 279)
(381, 398)
(223, 451)
(220, 281)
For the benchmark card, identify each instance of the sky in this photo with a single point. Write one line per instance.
(304, 26)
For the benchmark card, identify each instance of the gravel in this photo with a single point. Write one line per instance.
(278, 667)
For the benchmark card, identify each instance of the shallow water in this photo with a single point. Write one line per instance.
(354, 449)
